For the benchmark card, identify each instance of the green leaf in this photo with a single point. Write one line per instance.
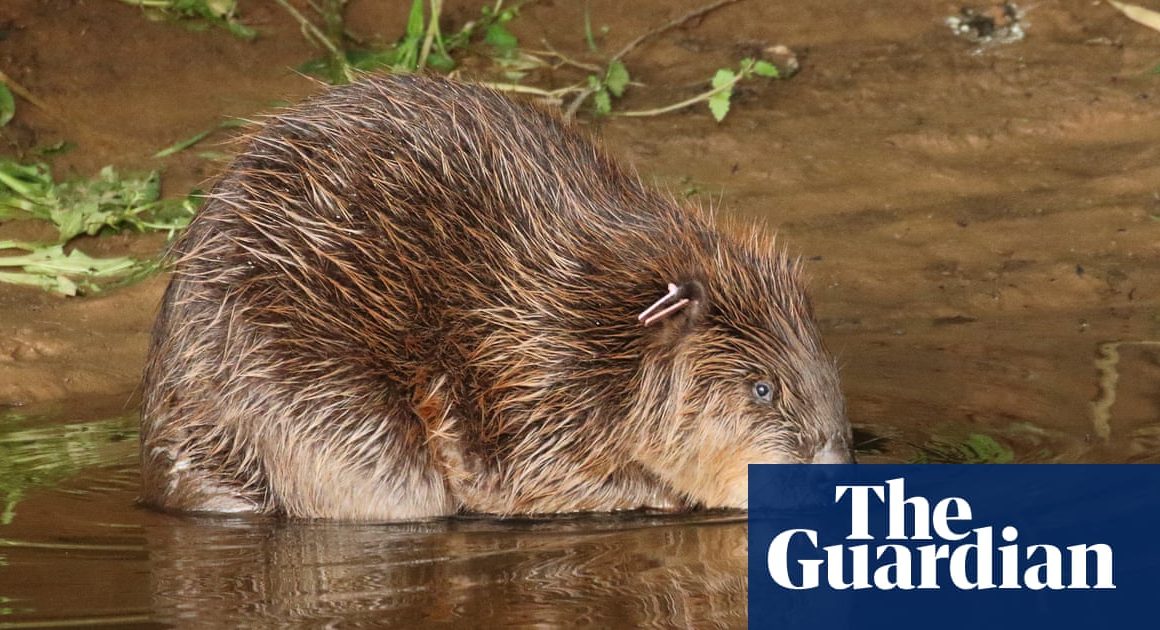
(220, 8)
(765, 69)
(984, 449)
(25, 189)
(49, 267)
(975, 448)
(7, 104)
(59, 148)
(723, 77)
(719, 103)
(318, 66)
(499, 37)
(603, 101)
(56, 284)
(588, 29)
(239, 30)
(219, 12)
(362, 59)
(416, 25)
(183, 144)
(440, 61)
(406, 55)
(616, 78)
(87, 206)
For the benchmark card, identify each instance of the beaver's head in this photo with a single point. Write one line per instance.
(746, 379)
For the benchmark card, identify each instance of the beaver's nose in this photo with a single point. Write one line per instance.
(833, 452)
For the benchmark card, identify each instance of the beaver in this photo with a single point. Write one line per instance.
(411, 297)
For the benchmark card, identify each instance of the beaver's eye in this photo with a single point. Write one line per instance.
(763, 391)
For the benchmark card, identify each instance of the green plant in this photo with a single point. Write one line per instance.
(50, 268)
(725, 79)
(720, 93)
(608, 81)
(9, 90)
(181, 145)
(219, 12)
(7, 104)
(589, 34)
(108, 202)
(615, 79)
(975, 448)
(612, 84)
(422, 45)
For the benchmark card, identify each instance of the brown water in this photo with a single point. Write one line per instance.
(79, 552)
(981, 225)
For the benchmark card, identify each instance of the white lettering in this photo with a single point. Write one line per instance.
(961, 561)
(778, 561)
(859, 508)
(897, 502)
(859, 567)
(928, 556)
(1048, 574)
(970, 564)
(942, 517)
(895, 574)
(1009, 559)
(1079, 571)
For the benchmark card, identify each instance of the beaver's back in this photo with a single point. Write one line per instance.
(410, 200)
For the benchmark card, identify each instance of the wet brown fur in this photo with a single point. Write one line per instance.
(410, 297)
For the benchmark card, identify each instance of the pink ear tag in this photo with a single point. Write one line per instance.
(672, 302)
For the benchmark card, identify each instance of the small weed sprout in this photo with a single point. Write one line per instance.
(7, 104)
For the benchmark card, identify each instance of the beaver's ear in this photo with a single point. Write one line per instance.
(679, 309)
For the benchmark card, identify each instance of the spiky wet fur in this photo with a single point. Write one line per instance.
(411, 296)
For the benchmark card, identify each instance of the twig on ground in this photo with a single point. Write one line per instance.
(23, 93)
(671, 24)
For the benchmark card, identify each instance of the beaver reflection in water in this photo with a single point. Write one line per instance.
(411, 297)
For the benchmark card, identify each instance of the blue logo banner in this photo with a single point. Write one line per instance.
(954, 546)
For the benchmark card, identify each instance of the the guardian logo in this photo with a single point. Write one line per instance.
(953, 547)
(960, 553)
